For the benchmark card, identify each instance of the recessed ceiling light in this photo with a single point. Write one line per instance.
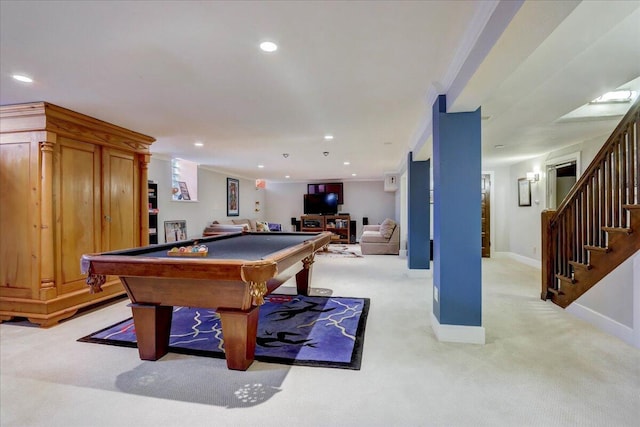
(198, 144)
(328, 137)
(287, 176)
(353, 174)
(260, 166)
(499, 146)
(388, 143)
(21, 78)
(268, 46)
(346, 163)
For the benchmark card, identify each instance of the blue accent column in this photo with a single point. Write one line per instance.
(457, 168)
(419, 218)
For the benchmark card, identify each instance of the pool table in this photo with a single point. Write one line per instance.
(238, 270)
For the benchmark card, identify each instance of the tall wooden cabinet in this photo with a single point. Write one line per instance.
(71, 184)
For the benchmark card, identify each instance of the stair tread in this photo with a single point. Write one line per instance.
(555, 291)
(565, 278)
(617, 230)
(596, 248)
(580, 265)
(631, 206)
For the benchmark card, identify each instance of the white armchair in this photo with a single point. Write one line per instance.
(383, 239)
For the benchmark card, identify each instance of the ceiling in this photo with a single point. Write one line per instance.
(365, 72)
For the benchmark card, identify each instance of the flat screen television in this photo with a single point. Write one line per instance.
(321, 204)
(332, 187)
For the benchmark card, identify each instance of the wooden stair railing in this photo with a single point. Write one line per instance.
(597, 226)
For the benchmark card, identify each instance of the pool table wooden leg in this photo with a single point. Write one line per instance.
(239, 329)
(153, 325)
(303, 277)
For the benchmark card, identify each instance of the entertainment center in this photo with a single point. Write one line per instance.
(321, 212)
(338, 225)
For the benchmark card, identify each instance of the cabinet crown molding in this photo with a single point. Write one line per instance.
(49, 117)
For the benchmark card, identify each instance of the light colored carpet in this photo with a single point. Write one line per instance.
(539, 367)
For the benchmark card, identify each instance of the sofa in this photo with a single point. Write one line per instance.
(238, 225)
(381, 239)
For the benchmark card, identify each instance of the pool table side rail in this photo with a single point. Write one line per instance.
(195, 268)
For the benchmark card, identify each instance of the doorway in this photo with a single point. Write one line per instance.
(560, 179)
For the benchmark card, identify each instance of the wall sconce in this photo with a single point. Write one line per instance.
(533, 176)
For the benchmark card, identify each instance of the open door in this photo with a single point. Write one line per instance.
(560, 179)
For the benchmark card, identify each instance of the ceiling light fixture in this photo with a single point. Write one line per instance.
(346, 163)
(615, 96)
(285, 155)
(261, 166)
(328, 137)
(498, 146)
(326, 153)
(287, 176)
(268, 46)
(353, 174)
(198, 144)
(22, 78)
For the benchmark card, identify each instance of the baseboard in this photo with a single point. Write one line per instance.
(520, 258)
(604, 323)
(458, 333)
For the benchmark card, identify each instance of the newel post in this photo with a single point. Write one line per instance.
(548, 253)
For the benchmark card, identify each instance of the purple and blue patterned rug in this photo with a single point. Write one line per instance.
(292, 330)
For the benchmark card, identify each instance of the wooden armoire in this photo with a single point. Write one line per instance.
(69, 185)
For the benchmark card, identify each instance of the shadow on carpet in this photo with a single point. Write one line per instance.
(292, 330)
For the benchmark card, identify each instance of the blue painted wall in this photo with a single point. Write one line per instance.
(457, 168)
(419, 219)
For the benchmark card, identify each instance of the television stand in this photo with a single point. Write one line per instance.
(338, 225)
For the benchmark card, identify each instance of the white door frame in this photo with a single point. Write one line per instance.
(550, 177)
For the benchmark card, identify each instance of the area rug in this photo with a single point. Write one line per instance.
(292, 329)
(341, 251)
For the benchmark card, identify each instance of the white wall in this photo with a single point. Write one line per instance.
(499, 212)
(519, 227)
(402, 206)
(284, 201)
(613, 305)
(212, 199)
(524, 226)
(611, 296)
(279, 202)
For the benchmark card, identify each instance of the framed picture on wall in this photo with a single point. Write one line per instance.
(233, 197)
(524, 192)
(184, 190)
(174, 231)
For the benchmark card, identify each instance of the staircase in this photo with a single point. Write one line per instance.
(597, 226)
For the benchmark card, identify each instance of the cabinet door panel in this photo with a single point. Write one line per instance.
(78, 209)
(120, 200)
(17, 222)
